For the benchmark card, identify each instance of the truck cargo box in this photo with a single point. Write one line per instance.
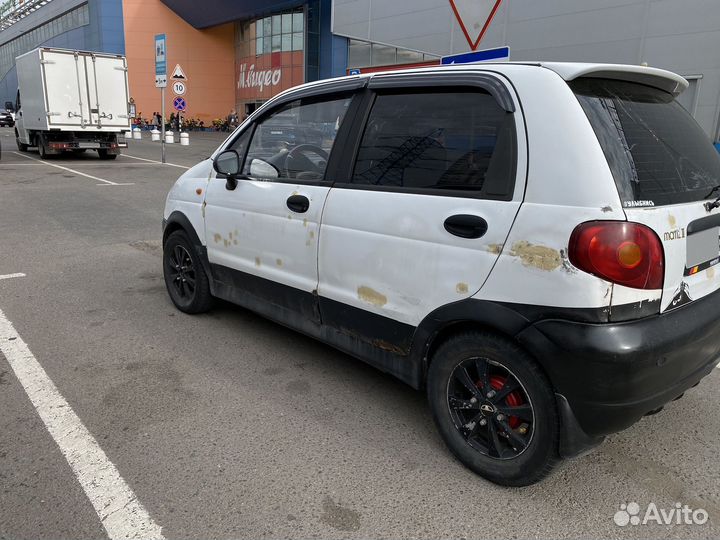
(65, 90)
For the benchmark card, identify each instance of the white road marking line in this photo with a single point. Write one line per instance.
(107, 182)
(116, 505)
(11, 276)
(155, 161)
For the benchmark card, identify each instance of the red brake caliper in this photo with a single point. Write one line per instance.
(513, 399)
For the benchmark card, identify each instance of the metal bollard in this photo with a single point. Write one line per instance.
(137, 134)
(169, 137)
(184, 139)
(155, 135)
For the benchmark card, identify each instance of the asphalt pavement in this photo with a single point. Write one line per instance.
(226, 425)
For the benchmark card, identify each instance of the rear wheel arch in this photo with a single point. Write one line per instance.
(470, 315)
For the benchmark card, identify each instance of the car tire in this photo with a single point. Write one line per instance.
(185, 278)
(476, 381)
(104, 154)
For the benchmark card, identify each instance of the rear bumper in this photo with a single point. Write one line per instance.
(613, 374)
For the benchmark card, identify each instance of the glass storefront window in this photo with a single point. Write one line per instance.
(297, 22)
(383, 55)
(359, 54)
(287, 23)
(298, 41)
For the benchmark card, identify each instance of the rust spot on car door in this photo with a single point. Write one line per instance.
(371, 296)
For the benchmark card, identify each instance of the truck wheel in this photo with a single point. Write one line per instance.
(104, 154)
(185, 278)
(22, 147)
(42, 150)
(494, 408)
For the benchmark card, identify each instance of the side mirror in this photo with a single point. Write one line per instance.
(263, 169)
(227, 164)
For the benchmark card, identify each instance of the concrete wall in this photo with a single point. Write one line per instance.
(679, 35)
(206, 56)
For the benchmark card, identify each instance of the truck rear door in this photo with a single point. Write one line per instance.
(107, 83)
(66, 91)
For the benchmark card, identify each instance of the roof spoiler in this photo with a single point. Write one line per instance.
(657, 78)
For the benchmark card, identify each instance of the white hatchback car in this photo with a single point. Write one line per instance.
(536, 245)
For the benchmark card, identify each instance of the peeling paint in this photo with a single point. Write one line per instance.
(371, 296)
(672, 221)
(217, 238)
(278, 262)
(606, 209)
(495, 248)
(305, 222)
(566, 264)
(257, 262)
(312, 234)
(386, 346)
(461, 288)
(198, 191)
(541, 257)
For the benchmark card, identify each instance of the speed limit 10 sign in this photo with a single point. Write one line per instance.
(179, 88)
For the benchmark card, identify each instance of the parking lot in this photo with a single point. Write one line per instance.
(226, 425)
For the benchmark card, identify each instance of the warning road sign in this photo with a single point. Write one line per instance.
(178, 74)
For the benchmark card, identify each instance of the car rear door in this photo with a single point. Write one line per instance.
(667, 172)
(434, 179)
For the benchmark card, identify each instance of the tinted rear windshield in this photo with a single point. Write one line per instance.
(658, 154)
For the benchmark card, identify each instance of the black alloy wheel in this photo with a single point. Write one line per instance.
(494, 408)
(185, 278)
(490, 408)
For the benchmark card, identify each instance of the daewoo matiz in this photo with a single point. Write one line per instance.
(535, 245)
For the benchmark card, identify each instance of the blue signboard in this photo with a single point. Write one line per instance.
(353, 72)
(160, 61)
(180, 104)
(489, 55)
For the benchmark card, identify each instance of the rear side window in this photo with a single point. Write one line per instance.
(439, 142)
(658, 154)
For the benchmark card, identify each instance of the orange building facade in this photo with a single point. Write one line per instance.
(207, 58)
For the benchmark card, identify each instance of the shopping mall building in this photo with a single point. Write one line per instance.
(238, 53)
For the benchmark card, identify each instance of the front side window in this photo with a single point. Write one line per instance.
(295, 141)
(441, 141)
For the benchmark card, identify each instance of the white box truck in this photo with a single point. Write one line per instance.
(72, 101)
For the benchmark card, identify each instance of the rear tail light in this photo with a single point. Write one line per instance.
(628, 254)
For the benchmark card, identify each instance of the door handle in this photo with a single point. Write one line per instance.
(466, 226)
(298, 203)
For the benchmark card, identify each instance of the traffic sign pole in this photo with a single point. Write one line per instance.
(162, 121)
(161, 82)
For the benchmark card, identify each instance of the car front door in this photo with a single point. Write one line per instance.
(262, 233)
(426, 206)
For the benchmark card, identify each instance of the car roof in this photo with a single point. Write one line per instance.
(569, 71)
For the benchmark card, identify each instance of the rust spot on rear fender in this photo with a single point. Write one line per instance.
(541, 257)
(461, 288)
